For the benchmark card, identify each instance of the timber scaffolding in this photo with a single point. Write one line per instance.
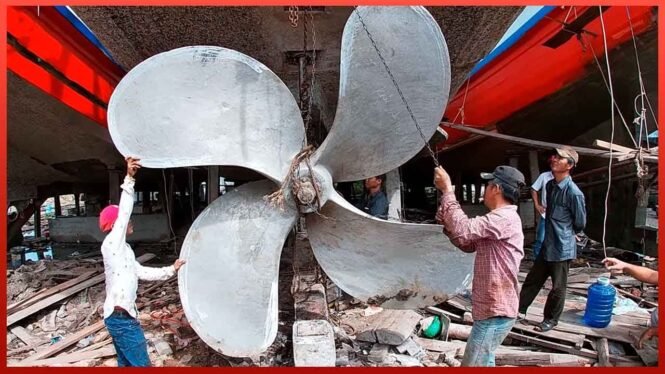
(55, 319)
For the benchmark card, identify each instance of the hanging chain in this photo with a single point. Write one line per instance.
(293, 16)
(313, 67)
(399, 91)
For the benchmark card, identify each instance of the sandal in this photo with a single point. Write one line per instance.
(546, 325)
(521, 318)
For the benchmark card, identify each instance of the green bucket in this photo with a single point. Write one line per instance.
(434, 329)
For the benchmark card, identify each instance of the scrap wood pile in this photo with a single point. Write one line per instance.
(371, 336)
(55, 318)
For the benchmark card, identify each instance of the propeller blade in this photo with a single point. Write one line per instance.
(228, 286)
(398, 265)
(205, 105)
(373, 131)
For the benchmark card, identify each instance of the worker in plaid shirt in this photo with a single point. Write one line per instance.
(498, 242)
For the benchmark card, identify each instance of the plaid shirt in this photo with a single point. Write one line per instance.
(498, 241)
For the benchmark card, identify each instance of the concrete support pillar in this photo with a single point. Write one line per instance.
(514, 161)
(213, 183)
(56, 205)
(114, 186)
(146, 204)
(190, 187)
(38, 220)
(394, 194)
(533, 165)
(457, 181)
(533, 170)
(77, 203)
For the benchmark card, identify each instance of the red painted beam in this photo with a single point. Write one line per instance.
(530, 71)
(39, 77)
(49, 36)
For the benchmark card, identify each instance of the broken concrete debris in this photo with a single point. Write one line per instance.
(69, 331)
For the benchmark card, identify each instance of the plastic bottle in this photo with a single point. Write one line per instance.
(600, 303)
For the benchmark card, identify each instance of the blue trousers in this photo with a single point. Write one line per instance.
(486, 336)
(540, 237)
(128, 339)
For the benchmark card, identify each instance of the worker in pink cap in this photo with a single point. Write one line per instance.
(122, 273)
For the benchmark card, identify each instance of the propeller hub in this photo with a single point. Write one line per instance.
(311, 187)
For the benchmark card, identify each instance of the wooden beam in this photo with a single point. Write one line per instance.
(603, 352)
(24, 335)
(541, 144)
(63, 344)
(77, 203)
(615, 147)
(602, 169)
(71, 358)
(576, 339)
(64, 294)
(11, 309)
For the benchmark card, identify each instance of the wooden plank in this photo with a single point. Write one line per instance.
(564, 348)
(576, 339)
(63, 344)
(540, 144)
(26, 348)
(540, 359)
(648, 354)
(459, 331)
(615, 331)
(11, 309)
(24, 335)
(12, 319)
(615, 147)
(435, 310)
(452, 347)
(636, 298)
(603, 352)
(70, 358)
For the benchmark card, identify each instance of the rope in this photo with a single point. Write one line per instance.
(609, 168)
(585, 43)
(276, 199)
(639, 69)
(461, 109)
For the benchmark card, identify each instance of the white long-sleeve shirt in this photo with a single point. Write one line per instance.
(121, 269)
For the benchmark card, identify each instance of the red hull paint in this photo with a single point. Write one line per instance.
(42, 79)
(54, 40)
(530, 71)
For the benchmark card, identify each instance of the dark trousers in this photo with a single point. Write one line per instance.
(535, 280)
(128, 339)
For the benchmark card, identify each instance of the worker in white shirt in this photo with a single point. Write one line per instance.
(541, 205)
(122, 273)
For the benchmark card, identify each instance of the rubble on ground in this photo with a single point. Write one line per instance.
(70, 331)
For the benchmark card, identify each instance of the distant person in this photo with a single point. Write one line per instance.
(565, 216)
(375, 202)
(541, 205)
(122, 273)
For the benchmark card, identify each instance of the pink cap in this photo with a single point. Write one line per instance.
(107, 218)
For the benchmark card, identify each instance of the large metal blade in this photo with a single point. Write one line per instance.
(398, 265)
(373, 132)
(228, 286)
(206, 105)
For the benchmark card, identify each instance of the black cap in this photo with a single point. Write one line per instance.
(506, 175)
